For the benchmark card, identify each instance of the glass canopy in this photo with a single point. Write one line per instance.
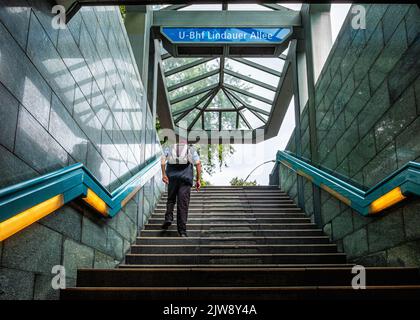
(222, 93)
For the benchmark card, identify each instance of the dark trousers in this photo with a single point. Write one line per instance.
(179, 193)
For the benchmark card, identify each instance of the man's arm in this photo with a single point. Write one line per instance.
(198, 167)
(165, 178)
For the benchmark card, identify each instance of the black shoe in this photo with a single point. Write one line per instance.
(166, 225)
(183, 234)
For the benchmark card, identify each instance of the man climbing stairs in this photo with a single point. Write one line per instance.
(244, 243)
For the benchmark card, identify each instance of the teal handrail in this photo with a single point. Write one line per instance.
(403, 183)
(67, 184)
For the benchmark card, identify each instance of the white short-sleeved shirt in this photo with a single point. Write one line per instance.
(194, 154)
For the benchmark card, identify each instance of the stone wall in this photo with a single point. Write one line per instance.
(66, 96)
(367, 102)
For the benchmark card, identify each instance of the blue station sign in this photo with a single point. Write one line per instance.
(226, 35)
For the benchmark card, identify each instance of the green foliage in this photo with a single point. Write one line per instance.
(240, 182)
(123, 11)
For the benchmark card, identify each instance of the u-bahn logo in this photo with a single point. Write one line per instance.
(226, 35)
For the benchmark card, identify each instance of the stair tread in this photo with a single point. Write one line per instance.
(280, 246)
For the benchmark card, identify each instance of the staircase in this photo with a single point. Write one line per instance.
(244, 243)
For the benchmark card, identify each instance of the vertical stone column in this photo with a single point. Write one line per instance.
(317, 30)
(138, 21)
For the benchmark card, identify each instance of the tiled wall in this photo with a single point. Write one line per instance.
(66, 96)
(367, 104)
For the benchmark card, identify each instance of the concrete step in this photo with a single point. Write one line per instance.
(235, 227)
(244, 206)
(232, 240)
(209, 220)
(245, 277)
(235, 233)
(239, 293)
(236, 210)
(273, 258)
(227, 215)
(231, 248)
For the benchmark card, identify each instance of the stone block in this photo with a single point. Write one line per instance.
(97, 166)
(392, 19)
(373, 48)
(43, 12)
(15, 16)
(66, 221)
(103, 261)
(374, 109)
(41, 49)
(86, 119)
(411, 214)
(406, 255)
(9, 107)
(407, 144)
(386, 232)
(373, 17)
(356, 243)
(76, 256)
(398, 117)
(342, 225)
(377, 259)
(36, 146)
(360, 221)
(362, 154)
(389, 56)
(115, 245)
(16, 284)
(13, 170)
(26, 83)
(66, 131)
(405, 71)
(353, 52)
(356, 103)
(382, 165)
(333, 89)
(329, 210)
(36, 248)
(43, 289)
(344, 94)
(327, 229)
(94, 233)
(412, 23)
(347, 142)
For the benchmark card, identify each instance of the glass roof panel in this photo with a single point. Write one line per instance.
(251, 72)
(246, 7)
(188, 102)
(188, 119)
(293, 6)
(192, 72)
(220, 101)
(202, 7)
(254, 102)
(211, 120)
(250, 87)
(229, 120)
(272, 63)
(172, 63)
(252, 119)
(198, 85)
(198, 124)
(242, 124)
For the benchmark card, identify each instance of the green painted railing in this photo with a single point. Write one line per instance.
(401, 184)
(24, 203)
